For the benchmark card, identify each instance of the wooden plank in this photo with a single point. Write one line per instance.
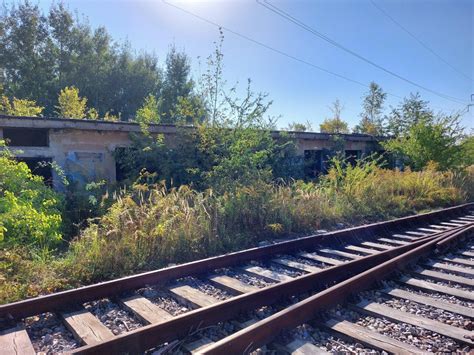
(452, 224)
(192, 297)
(145, 309)
(15, 341)
(266, 273)
(246, 324)
(439, 226)
(451, 268)
(430, 286)
(362, 250)
(419, 234)
(297, 265)
(445, 277)
(458, 221)
(405, 237)
(322, 259)
(86, 328)
(232, 284)
(380, 310)
(197, 347)
(371, 338)
(377, 245)
(340, 253)
(430, 301)
(393, 241)
(469, 254)
(301, 347)
(467, 218)
(429, 230)
(462, 261)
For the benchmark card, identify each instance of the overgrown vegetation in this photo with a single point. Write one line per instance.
(226, 183)
(151, 225)
(30, 212)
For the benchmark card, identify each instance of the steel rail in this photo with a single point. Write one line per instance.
(152, 335)
(58, 301)
(447, 242)
(262, 332)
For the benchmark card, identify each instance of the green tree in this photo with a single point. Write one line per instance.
(467, 149)
(233, 146)
(42, 53)
(26, 55)
(300, 127)
(177, 84)
(70, 104)
(23, 107)
(18, 107)
(410, 111)
(148, 113)
(335, 124)
(430, 139)
(371, 118)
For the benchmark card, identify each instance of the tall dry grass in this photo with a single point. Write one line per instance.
(152, 226)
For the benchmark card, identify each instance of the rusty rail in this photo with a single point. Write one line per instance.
(262, 332)
(149, 336)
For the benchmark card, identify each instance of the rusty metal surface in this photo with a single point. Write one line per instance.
(262, 332)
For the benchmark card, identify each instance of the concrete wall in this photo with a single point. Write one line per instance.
(84, 149)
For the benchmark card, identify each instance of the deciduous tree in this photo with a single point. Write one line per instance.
(430, 139)
(334, 124)
(70, 104)
(371, 117)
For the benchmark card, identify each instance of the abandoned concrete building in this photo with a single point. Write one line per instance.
(84, 149)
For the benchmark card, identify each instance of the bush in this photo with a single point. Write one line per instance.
(30, 212)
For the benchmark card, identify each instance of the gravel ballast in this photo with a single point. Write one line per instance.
(113, 317)
(49, 335)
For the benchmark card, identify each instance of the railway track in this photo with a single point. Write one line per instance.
(240, 302)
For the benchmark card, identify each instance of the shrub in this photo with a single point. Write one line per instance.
(30, 212)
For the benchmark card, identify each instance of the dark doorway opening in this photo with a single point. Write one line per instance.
(41, 167)
(352, 156)
(26, 137)
(312, 163)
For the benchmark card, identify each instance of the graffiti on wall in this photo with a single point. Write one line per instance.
(84, 167)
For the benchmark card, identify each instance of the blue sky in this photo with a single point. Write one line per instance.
(301, 92)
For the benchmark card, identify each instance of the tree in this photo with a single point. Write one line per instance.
(148, 113)
(410, 111)
(430, 139)
(300, 127)
(467, 148)
(21, 107)
(334, 124)
(71, 105)
(371, 118)
(176, 85)
(42, 53)
(26, 55)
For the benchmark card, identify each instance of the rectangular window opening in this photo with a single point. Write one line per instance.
(26, 137)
